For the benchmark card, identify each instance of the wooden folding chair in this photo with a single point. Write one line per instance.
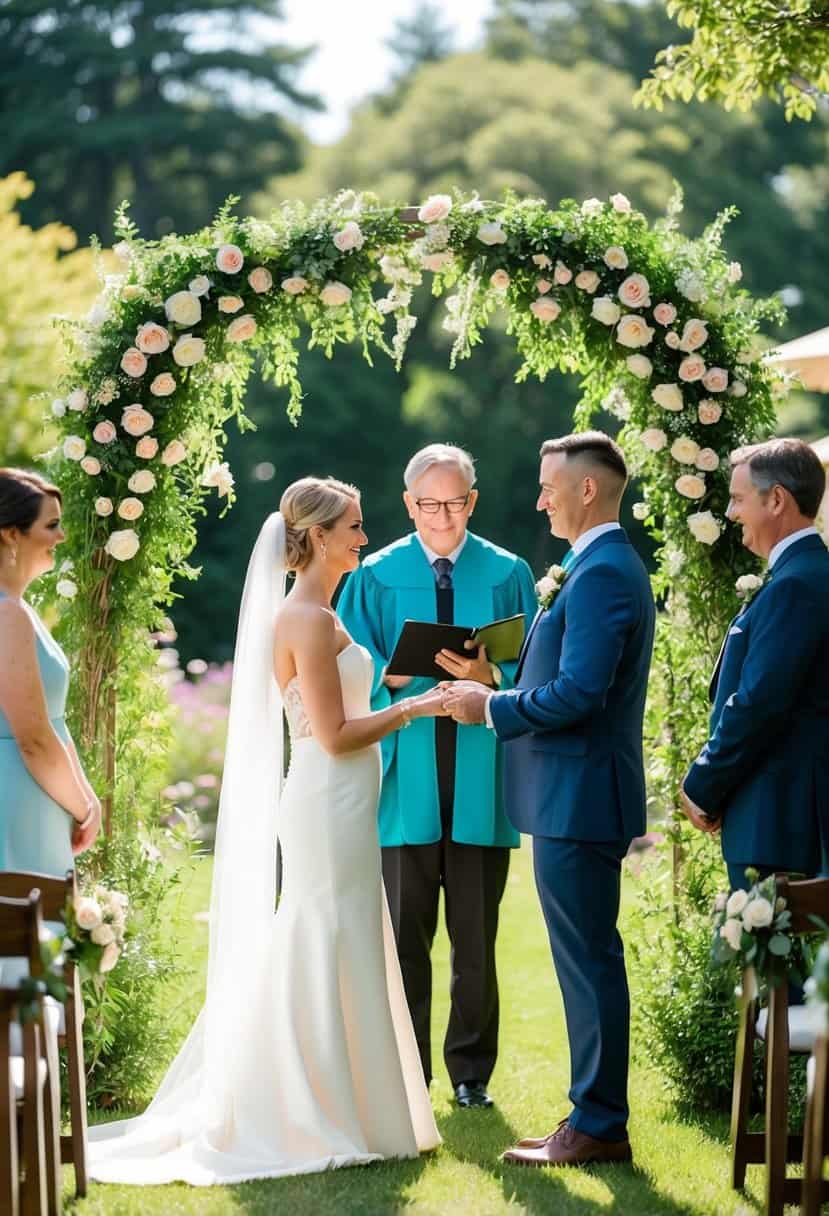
(54, 893)
(36, 1083)
(785, 1029)
(9, 1158)
(815, 1190)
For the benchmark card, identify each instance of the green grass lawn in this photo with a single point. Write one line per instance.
(680, 1166)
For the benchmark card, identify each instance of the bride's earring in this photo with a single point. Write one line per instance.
(324, 550)
(13, 555)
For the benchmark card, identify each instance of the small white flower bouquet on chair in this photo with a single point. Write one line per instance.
(95, 927)
(751, 928)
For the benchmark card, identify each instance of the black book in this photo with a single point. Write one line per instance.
(420, 641)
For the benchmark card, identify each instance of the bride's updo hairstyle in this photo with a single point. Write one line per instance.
(309, 503)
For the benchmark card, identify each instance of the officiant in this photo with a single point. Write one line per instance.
(441, 818)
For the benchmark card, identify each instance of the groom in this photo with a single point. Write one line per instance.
(574, 776)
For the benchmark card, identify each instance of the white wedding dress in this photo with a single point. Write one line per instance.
(318, 1067)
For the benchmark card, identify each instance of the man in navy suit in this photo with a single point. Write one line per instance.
(574, 777)
(763, 776)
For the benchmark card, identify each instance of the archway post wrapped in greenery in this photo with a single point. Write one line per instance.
(656, 324)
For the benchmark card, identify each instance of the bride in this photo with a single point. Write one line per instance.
(303, 1056)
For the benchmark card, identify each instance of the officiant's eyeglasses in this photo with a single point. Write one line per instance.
(431, 506)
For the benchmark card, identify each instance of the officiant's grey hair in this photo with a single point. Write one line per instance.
(446, 455)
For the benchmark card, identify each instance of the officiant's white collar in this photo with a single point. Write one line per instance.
(433, 557)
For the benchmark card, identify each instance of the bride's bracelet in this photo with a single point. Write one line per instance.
(405, 713)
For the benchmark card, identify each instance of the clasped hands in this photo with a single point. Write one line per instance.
(464, 697)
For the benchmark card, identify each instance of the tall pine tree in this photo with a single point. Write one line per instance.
(173, 103)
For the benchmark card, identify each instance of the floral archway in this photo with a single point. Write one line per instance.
(657, 325)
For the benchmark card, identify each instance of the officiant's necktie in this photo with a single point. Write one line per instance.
(446, 729)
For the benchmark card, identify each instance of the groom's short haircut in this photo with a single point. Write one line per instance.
(789, 463)
(594, 448)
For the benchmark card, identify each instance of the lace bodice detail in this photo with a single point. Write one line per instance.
(356, 667)
(298, 724)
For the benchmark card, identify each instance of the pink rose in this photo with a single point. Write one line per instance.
(694, 335)
(500, 280)
(136, 420)
(545, 309)
(130, 508)
(692, 368)
(104, 432)
(91, 466)
(587, 280)
(664, 314)
(707, 460)
(562, 274)
(163, 385)
(146, 448)
(716, 380)
(620, 203)
(542, 286)
(152, 339)
(435, 209)
(230, 259)
(295, 285)
(435, 261)
(174, 453)
(230, 303)
(709, 411)
(260, 279)
(690, 486)
(632, 331)
(133, 362)
(616, 258)
(349, 237)
(672, 339)
(635, 291)
(103, 507)
(242, 329)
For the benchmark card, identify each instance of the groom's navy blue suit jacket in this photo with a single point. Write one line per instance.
(573, 767)
(765, 767)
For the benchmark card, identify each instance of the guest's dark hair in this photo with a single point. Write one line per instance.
(597, 447)
(789, 463)
(21, 494)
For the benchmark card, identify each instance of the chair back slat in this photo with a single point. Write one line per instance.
(54, 891)
(806, 900)
(20, 924)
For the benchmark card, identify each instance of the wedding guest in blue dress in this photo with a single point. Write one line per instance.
(48, 810)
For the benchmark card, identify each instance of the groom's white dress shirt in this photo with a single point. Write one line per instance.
(782, 545)
(578, 546)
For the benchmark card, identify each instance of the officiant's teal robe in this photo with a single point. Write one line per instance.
(398, 583)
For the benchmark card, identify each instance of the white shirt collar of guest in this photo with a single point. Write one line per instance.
(782, 545)
(592, 534)
(433, 557)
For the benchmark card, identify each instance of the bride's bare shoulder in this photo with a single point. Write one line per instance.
(304, 621)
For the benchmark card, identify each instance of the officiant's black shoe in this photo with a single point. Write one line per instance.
(472, 1093)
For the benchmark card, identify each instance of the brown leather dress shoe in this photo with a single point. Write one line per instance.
(566, 1146)
(538, 1141)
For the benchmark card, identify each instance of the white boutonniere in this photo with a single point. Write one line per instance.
(747, 586)
(548, 587)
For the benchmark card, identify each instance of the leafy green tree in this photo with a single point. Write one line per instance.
(173, 103)
(743, 50)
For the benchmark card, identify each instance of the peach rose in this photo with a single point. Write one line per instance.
(672, 339)
(183, 308)
(91, 466)
(136, 421)
(685, 450)
(242, 329)
(152, 339)
(188, 350)
(349, 237)
(163, 385)
(635, 291)
(709, 411)
(707, 459)
(174, 453)
(562, 274)
(587, 280)
(500, 280)
(616, 258)
(435, 209)
(664, 313)
(335, 293)
(295, 285)
(104, 432)
(230, 259)
(261, 279)
(715, 380)
(541, 260)
(146, 448)
(130, 509)
(669, 396)
(123, 545)
(694, 335)
(103, 507)
(692, 368)
(542, 286)
(141, 482)
(230, 303)
(545, 309)
(437, 261)
(632, 331)
(690, 486)
(133, 362)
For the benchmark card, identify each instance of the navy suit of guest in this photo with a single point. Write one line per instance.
(574, 779)
(764, 771)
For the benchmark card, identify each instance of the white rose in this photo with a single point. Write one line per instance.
(715, 380)
(737, 900)
(690, 486)
(437, 261)
(230, 259)
(639, 366)
(694, 335)
(58, 408)
(152, 339)
(132, 291)
(635, 291)
(620, 203)
(641, 510)
(174, 453)
(541, 260)
(664, 313)
(491, 234)
(104, 432)
(709, 411)
(130, 509)
(707, 459)
(732, 932)
(230, 303)
(704, 527)
(735, 272)
(692, 368)
(91, 466)
(500, 280)
(146, 448)
(684, 449)
(200, 285)
(587, 280)
(545, 586)
(615, 257)
(349, 237)
(672, 339)
(545, 309)
(109, 958)
(188, 350)
(103, 507)
(605, 310)
(88, 913)
(669, 396)
(242, 329)
(74, 447)
(738, 389)
(102, 935)
(335, 293)
(747, 584)
(295, 285)
(632, 331)
(133, 362)
(592, 206)
(435, 209)
(261, 279)
(123, 545)
(758, 914)
(136, 421)
(183, 308)
(562, 274)
(66, 588)
(141, 482)
(542, 286)
(654, 439)
(220, 476)
(77, 400)
(163, 385)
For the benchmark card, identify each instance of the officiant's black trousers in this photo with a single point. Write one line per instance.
(473, 878)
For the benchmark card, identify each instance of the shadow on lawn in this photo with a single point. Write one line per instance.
(372, 1190)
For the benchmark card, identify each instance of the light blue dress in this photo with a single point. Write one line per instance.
(35, 832)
